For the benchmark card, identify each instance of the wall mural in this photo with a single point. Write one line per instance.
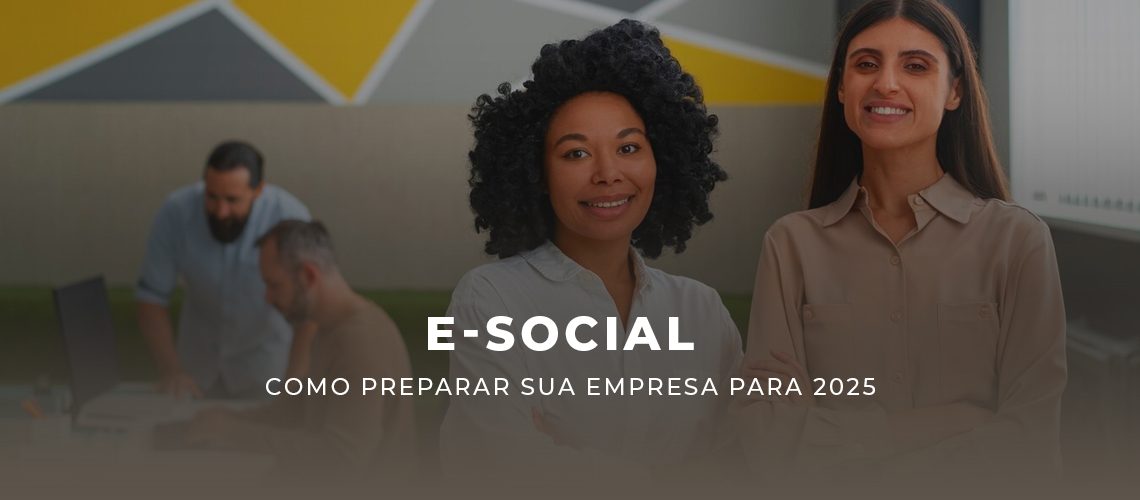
(350, 52)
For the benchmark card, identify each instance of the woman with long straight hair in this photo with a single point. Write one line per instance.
(915, 306)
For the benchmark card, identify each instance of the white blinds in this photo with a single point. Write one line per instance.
(1075, 109)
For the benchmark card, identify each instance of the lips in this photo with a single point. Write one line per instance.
(607, 207)
(608, 204)
(886, 111)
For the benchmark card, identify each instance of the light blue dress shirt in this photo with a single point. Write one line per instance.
(227, 331)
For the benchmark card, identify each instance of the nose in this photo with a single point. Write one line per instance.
(223, 211)
(887, 82)
(606, 170)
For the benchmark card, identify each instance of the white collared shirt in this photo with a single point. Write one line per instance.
(485, 432)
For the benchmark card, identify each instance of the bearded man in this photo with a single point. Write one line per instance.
(229, 339)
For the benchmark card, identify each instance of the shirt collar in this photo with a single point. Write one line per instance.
(949, 198)
(946, 196)
(554, 265)
(839, 208)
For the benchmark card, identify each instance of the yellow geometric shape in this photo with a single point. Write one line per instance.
(339, 40)
(734, 80)
(35, 36)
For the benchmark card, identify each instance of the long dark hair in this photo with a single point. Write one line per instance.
(965, 146)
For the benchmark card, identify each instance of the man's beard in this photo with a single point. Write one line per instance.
(226, 230)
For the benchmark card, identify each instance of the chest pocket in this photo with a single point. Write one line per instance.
(834, 346)
(968, 336)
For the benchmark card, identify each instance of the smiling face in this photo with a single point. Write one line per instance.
(896, 85)
(600, 169)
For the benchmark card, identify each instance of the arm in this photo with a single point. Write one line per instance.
(155, 285)
(778, 436)
(342, 432)
(482, 435)
(154, 322)
(300, 352)
(1023, 434)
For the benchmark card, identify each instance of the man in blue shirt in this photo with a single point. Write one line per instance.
(230, 340)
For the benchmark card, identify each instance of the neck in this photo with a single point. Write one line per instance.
(889, 176)
(607, 259)
(335, 301)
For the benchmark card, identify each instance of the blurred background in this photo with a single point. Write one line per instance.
(360, 110)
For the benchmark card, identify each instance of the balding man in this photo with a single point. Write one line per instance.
(355, 339)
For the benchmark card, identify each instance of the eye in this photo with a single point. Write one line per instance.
(866, 65)
(916, 67)
(628, 149)
(576, 154)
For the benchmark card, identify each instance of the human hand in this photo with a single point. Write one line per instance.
(785, 368)
(543, 425)
(179, 384)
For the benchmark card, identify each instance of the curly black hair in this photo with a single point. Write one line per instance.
(507, 182)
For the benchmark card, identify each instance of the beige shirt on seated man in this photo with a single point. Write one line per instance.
(355, 340)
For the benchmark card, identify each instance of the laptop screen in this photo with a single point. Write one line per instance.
(84, 313)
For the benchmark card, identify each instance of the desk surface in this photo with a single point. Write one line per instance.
(45, 449)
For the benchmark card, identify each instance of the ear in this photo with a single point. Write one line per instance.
(309, 273)
(955, 98)
(840, 93)
(257, 190)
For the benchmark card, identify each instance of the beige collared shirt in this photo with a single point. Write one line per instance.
(967, 307)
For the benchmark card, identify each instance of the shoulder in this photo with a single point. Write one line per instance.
(1005, 219)
(371, 342)
(284, 203)
(797, 224)
(683, 290)
(486, 281)
(369, 324)
(185, 196)
(695, 302)
(183, 202)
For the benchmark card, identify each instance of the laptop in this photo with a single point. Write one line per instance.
(99, 397)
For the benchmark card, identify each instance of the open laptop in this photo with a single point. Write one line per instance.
(99, 398)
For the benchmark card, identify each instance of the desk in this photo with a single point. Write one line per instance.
(50, 452)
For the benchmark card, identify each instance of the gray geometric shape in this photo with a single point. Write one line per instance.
(206, 58)
(462, 49)
(803, 29)
(623, 5)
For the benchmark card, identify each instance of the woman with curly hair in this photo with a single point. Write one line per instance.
(600, 160)
(919, 309)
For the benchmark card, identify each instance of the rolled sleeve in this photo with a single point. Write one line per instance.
(159, 273)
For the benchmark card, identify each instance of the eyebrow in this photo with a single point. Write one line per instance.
(579, 137)
(902, 53)
(570, 137)
(627, 132)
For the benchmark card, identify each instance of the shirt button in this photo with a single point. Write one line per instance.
(896, 316)
(897, 377)
(918, 201)
(808, 314)
(895, 260)
(984, 312)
